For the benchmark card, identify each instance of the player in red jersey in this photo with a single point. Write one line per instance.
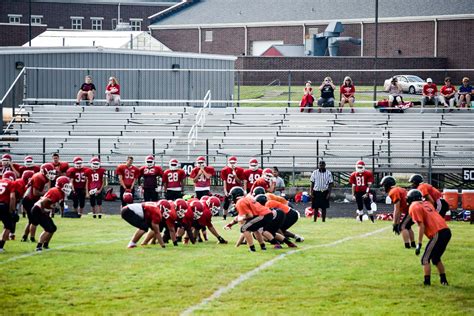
(167, 224)
(7, 209)
(252, 174)
(18, 186)
(430, 194)
(184, 220)
(361, 180)
(128, 175)
(143, 216)
(398, 197)
(60, 166)
(173, 180)
(150, 174)
(201, 176)
(95, 184)
(203, 220)
(267, 181)
(77, 174)
(39, 184)
(232, 176)
(40, 213)
(29, 164)
(25, 177)
(7, 165)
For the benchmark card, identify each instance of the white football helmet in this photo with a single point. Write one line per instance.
(253, 164)
(360, 166)
(173, 164)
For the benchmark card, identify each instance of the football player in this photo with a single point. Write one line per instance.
(77, 174)
(232, 176)
(143, 216)
(252, 174)
(60, 166)
(267, 181)
(435, 228)
(201, 176)
(203, 217)
(128, 175)
(430, 194)
(173, 180)
(7, 208)
(361, 180)
(29, 164)
(25, 179)
(40, 213)
(19, 188)
(7, 165)
(168, 224)
(95, 184)
(150, 174)
(398, 197)
(39, 184)
(185, 218)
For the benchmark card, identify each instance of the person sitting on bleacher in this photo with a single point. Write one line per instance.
(448, 94)
(465, 91)
(347, 92)
(394, 90)
(308, 99)
(327, 94)
(112, 93)
(430, 91)
(87, 91)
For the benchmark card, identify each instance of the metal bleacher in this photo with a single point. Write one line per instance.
(279, 136)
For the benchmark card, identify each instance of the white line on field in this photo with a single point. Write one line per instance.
(244, 277)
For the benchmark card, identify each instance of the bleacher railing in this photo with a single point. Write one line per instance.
(199, 121)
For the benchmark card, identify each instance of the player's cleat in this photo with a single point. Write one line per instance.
(39, 248)
(131, 245)
(2, 250)
(24, 239)
(221, 240)
(291, 245)
(277, 246)
(94, 216)
(12, 236)
(100, 216)
(299, 238)
(32, 239)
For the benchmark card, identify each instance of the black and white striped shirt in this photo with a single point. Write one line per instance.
(321, 180)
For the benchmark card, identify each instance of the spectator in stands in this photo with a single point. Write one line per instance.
(347, 92)
(394, 90)
(279, 182)
(465, 91)
(448, 94)
(112, 93)
(430, 91)
(308, 99)
(327, 94)
(321, 185)
(87, 91)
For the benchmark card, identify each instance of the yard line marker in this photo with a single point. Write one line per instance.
(244, 277)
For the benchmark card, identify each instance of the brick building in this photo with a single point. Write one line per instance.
(73, 14)
(407, 28)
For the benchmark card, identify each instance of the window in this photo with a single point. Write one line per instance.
(14, 18)
(136, 24)
(97, 23)
(76, 22)
(36, 19)
(208, 36)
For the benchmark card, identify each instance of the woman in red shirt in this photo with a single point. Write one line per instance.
(308, 99)
(347, 92)
(112, 93)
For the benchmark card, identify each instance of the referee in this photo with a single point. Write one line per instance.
(321, 185)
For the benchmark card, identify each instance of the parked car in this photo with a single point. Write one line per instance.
(411, 84)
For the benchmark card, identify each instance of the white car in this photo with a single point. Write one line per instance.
(411, 84)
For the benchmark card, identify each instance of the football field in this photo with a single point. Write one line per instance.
(342, 267)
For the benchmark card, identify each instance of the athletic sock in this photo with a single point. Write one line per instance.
(32, 239)
(2, 243)
(442, 279)
(273, 241)
(252, 248)
(407, 245)
(225, 217)
(413, 244)
(46, 245)
(24, 238)
(360, 217)
(372, 218)
(263, 247)
(427, 280)
(39, 245)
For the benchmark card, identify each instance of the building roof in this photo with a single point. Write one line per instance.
(288, 50)
(109, 39)
(114, 2)
(241, 12)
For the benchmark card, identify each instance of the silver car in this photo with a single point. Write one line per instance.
(409, 83)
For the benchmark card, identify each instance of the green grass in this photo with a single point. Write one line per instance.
(363, 276)
(261, 93)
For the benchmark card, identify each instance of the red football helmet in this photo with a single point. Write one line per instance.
(48, 170)
(267, 174)
(201, 160)
(164, 207)
(27, 174)
(77, 162)
(150, 161)
(309, 212)
(204, 198)
(9, 175)
(127, 198)
(181, 207)
(173, 164)
(360, 166)
(253, 164)
(6, 159)
(232, 161)
(28, 160)
(214, 204)
(95, 163)
(63, 184)
(196, 207)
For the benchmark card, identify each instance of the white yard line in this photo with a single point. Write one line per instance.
(244, 277)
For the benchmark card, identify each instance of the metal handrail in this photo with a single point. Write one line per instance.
(199, 122)
(12, 85)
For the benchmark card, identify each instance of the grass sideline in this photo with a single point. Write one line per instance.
(89, 271)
